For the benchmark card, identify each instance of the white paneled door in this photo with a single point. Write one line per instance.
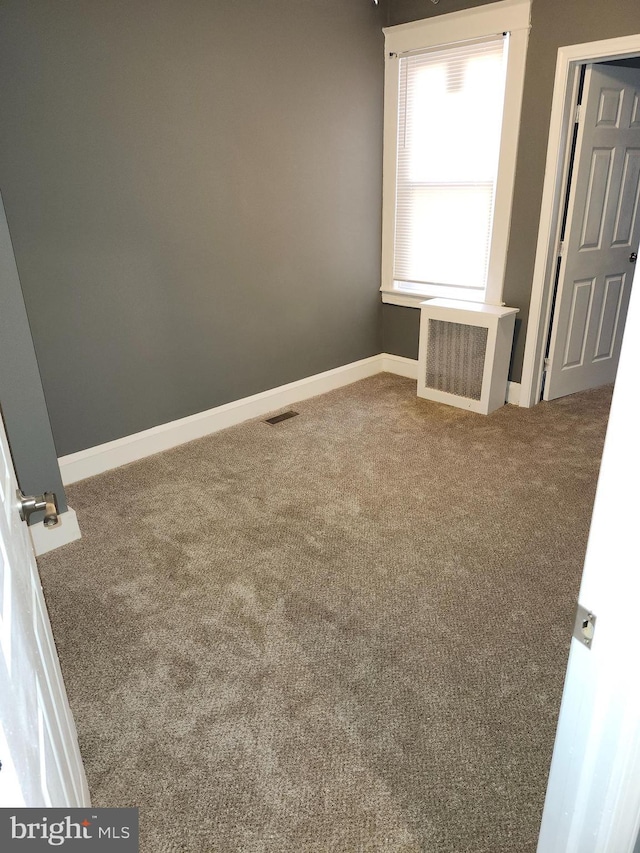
(593, 796)
(601, 235)
(39, 755)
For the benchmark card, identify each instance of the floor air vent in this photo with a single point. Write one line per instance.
(276, 419)
(464, 353)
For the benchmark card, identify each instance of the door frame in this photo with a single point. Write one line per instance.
(570, 58)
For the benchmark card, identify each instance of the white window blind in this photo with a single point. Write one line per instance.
(449, 126)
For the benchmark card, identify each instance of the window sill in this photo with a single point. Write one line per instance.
(410, 299)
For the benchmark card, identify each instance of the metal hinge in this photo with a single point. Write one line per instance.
(547, 363)
(585, 626)
(577, 116)
(560, 248)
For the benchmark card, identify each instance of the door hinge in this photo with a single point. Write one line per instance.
(560, 248)
(585, 626)
(577, 115)
(547, 363)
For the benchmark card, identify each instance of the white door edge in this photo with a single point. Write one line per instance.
(38, 738)
(593, 796)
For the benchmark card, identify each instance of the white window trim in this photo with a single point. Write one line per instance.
(511, 16)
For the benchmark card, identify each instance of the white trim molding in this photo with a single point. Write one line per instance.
(513, 393)
(406, 300)
(408, 367)
(398, 364)
(512, 16)
(105, 457)
(477, 22)
(112, 454)
(569, 59)
(46, 539)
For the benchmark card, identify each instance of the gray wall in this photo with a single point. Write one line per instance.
(193, 189)
(400, 330)
(553, 25)
(22, 402)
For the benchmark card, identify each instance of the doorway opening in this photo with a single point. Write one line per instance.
(562, 134)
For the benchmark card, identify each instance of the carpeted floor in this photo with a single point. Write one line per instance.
(347, 632)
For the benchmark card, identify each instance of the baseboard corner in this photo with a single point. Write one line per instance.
(399, 365)
(48, 539)
(513, 393)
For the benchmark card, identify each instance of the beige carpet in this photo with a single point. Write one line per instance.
(347, 632)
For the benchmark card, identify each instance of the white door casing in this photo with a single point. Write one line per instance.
(593, 796)
(41, 764)
(602, 231)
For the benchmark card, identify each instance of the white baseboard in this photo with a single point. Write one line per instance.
(46, 539)
(400, 365)
(513, 393)
(104, 457)
(409, 367)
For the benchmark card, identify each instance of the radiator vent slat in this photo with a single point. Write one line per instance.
(455, 358)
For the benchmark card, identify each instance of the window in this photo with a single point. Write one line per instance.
(452, 106)
(446, 173)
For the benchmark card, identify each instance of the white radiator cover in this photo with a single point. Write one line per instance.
(464, 353)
